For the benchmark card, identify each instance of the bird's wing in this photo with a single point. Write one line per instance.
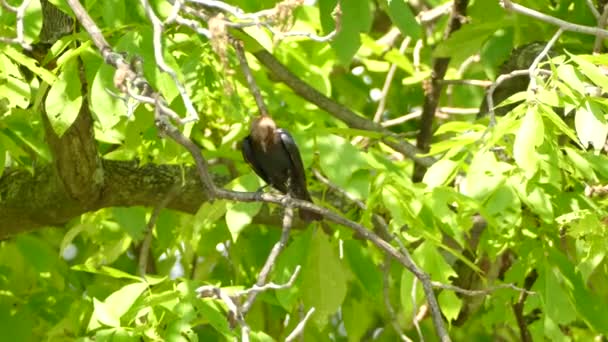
(249, 157)
(298, 176)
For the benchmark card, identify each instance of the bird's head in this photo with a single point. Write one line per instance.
(262, 131)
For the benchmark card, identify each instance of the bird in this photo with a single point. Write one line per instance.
(273, 155)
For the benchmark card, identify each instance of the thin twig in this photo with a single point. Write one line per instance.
(157, 27)
(593, 9)
(272, 286)
(434, 13)
(499, 81)
(565, 25)
(601, 23)
(416, 317)
(457, 111)
(299, 329)
(461, 70)
(389, 81)
(402, 119)
(533, 70)
(416, 54)
(272, 257)
(442, 113)
(476, 83)
(320, 39)
(253, 87)
(483, 292)
(235, 314)
(20, 28)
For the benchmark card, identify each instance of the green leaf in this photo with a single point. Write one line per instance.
(428, 258)
(556, 301)
(295, 254)
(571, 78)
(406, 285)
(357, 318)
(105, 270)
(64, 99)
(132, 220)
(588, 306)
(113, 13)
(102, 315)
(591, 71)
(119, 302)
(401, 15)
(37, 254)
(467, 40)
(364, 268)
(534, 196)
(32, 21)
(459, 127)
(580, 164)
(440, 173)
(215, 315)
(323, 280)
(239, 215)
(16, 92)
(559, 122)
(450, 304)
(504, 206)
(391, 199)
(260, 336)
(529, 136)
(484, 175)
(591, 126)
(335, 151)
(599, 164)
(210, 212)
(25, 136)
(356, 19)
(116, 335)
(106, 107)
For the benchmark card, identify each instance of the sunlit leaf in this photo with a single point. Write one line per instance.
(65, 98)
(591, 126)
(529, 136)
(323, 279)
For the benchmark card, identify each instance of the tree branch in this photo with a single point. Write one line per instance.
(272, 258)
(339, 111)
(518, 308)
(433, 90)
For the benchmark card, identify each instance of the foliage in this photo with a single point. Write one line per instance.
(529, 177)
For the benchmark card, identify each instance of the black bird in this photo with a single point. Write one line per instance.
(274, 156)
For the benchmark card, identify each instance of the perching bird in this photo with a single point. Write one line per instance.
(274, 156)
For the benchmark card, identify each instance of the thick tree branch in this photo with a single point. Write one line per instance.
(75, 156)
(433, 90)
(30, 201)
